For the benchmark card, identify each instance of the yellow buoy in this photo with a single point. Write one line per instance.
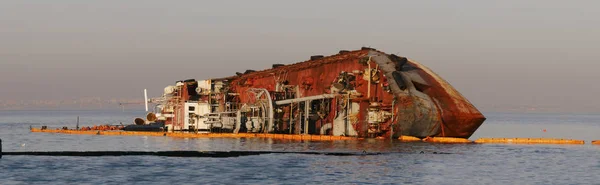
(408, 138)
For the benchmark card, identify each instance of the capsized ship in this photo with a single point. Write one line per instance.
(364, 93)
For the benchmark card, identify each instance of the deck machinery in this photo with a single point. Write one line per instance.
(363, 93)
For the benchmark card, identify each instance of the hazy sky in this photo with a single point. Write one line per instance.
(496, 53)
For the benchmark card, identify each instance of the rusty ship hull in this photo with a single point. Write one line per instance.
(364, 93)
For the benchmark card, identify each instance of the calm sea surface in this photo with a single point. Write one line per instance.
(401, 163)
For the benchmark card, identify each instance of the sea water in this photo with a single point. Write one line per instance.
(399, 163)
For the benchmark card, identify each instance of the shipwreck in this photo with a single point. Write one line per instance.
(364, 93)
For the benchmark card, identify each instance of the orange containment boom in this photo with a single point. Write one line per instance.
(496, 140)
(316, 137)
(446, 140)
(435, 139)
(530, 141)
(200, 135)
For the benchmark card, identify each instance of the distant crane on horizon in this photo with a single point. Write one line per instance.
(122, 104)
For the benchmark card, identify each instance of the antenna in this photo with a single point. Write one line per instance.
(146, 99)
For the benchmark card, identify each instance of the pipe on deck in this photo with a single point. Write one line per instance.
(308, 98)
(306, 114)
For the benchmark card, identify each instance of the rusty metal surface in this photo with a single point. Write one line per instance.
(459, 117)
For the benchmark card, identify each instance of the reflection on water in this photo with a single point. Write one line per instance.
(400, 163)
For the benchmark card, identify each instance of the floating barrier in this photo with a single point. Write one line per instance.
(199, 135)
(315, 137)
(496, 140)
(446, 140)
(530, 141)
(434, 139)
